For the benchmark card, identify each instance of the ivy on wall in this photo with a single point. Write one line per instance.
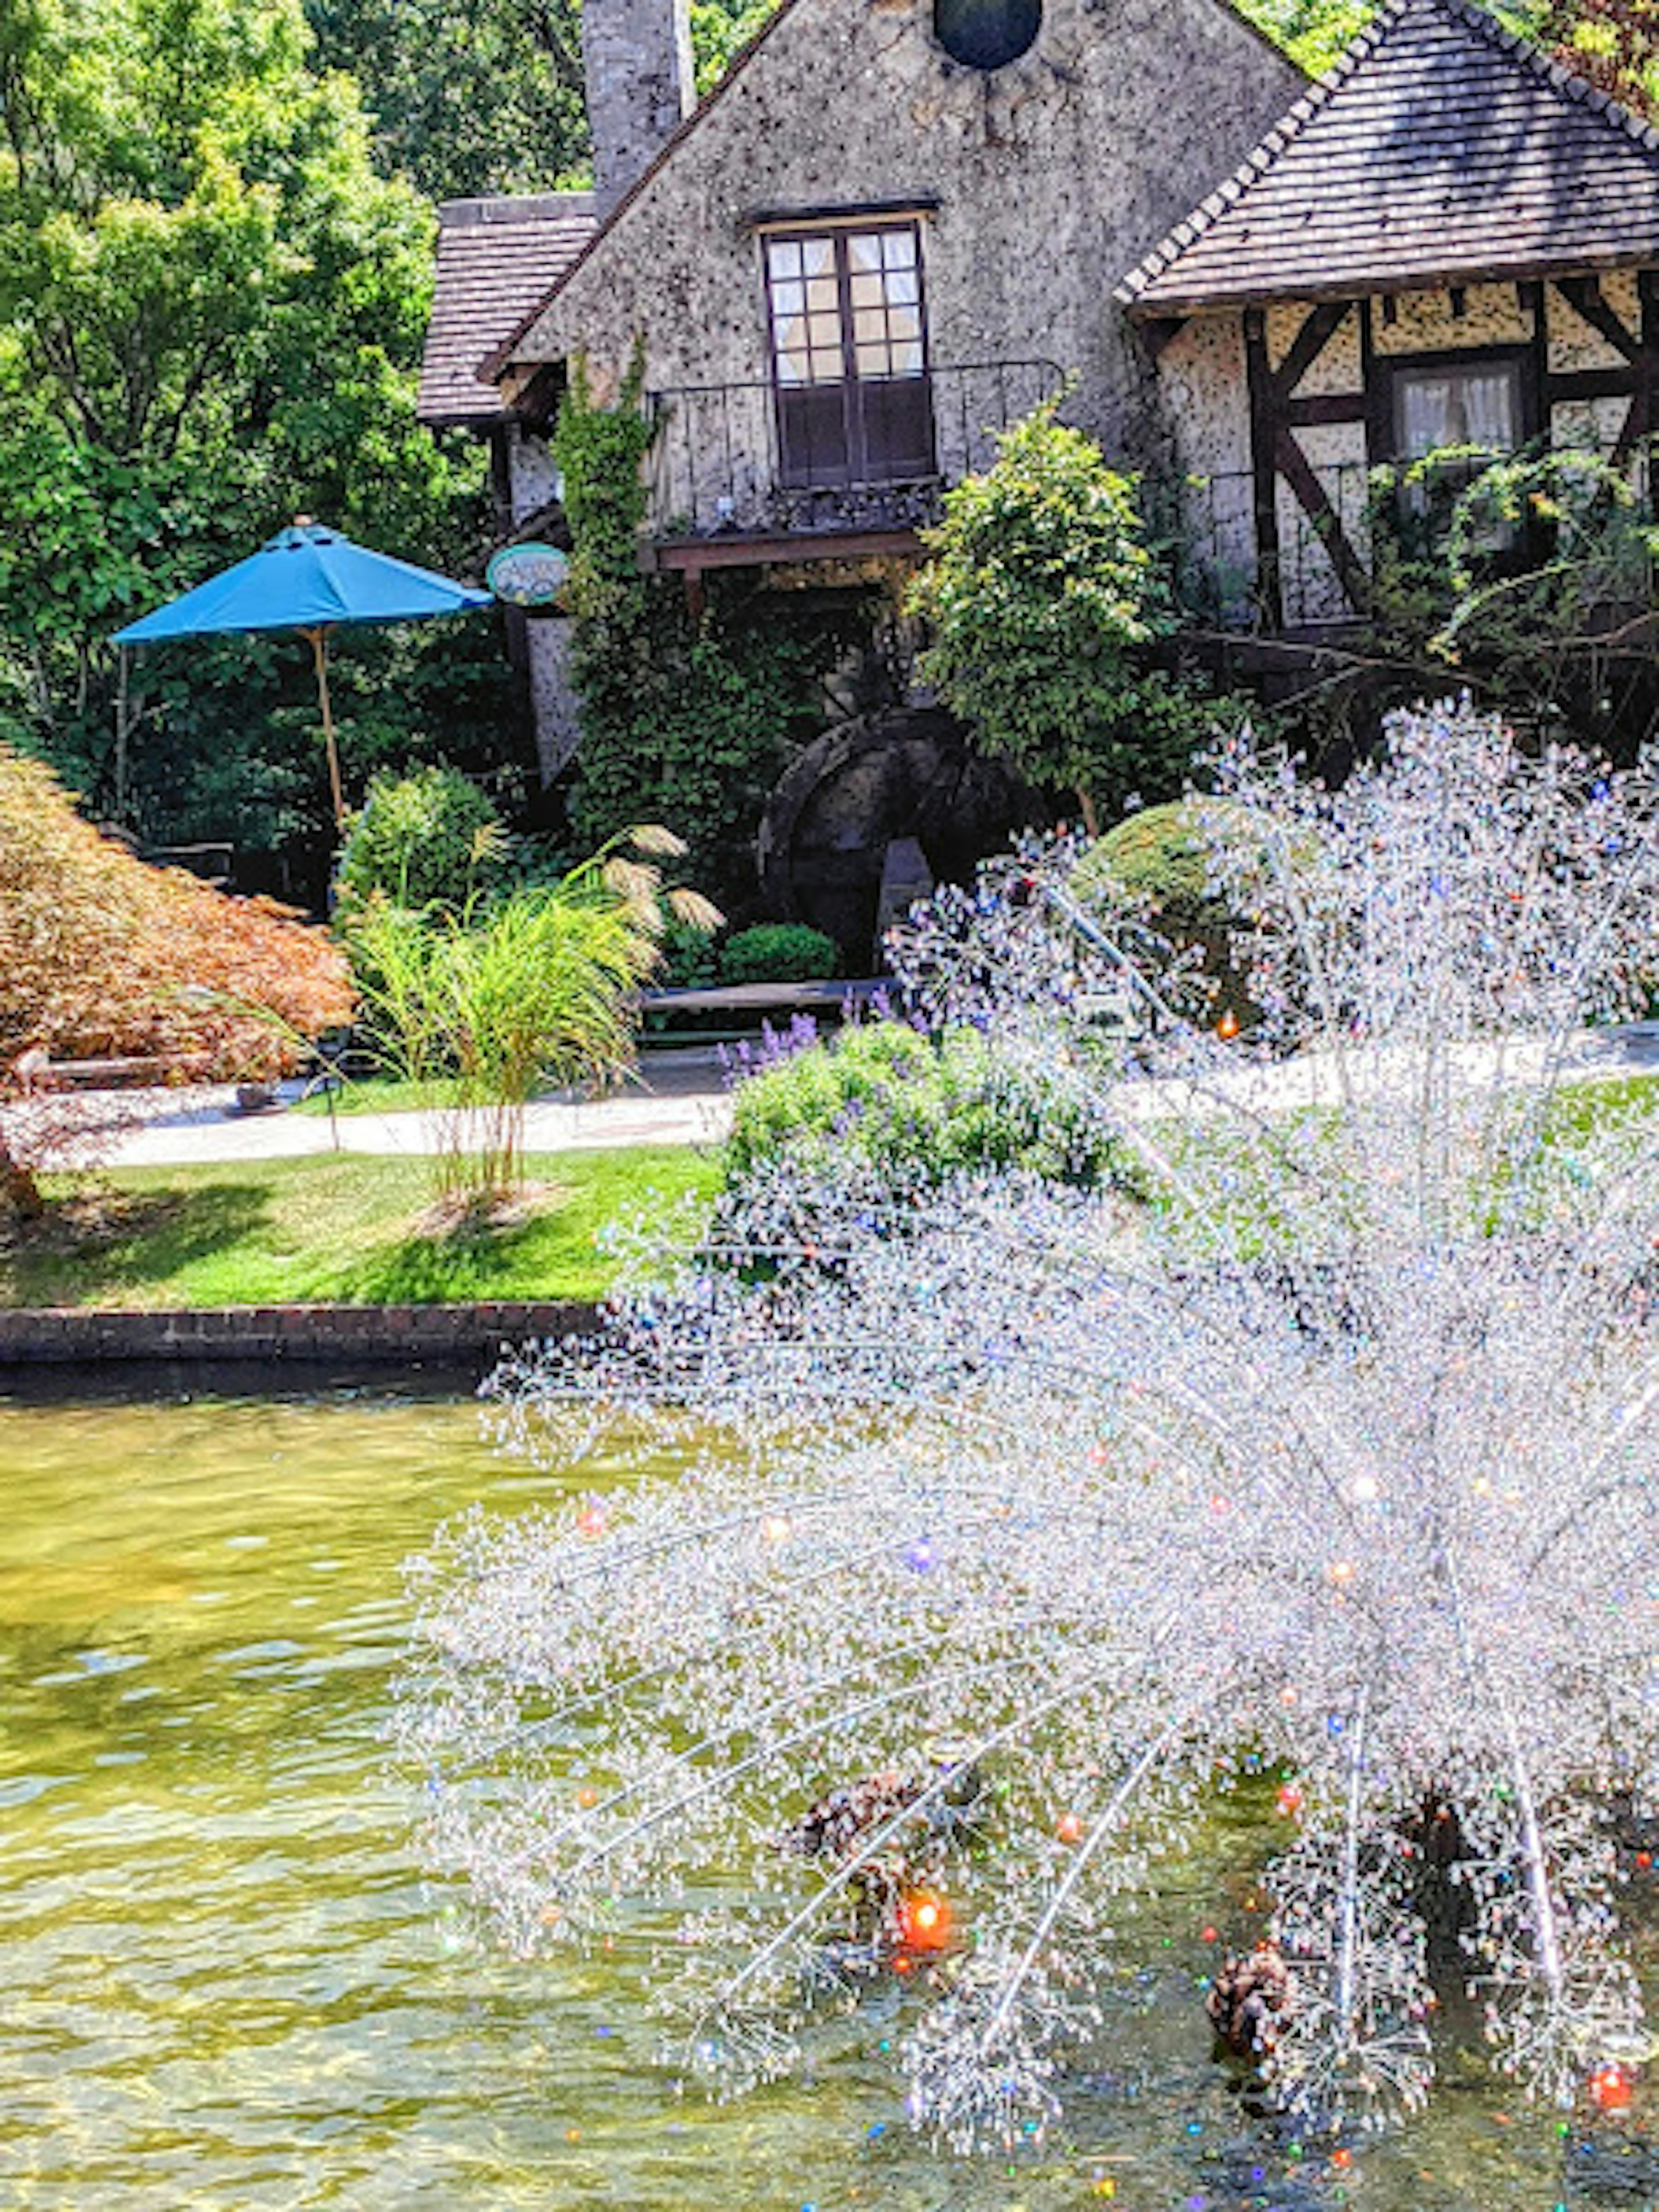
(687, 719)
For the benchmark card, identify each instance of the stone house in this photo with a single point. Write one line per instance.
(897, 224)
(890, 230)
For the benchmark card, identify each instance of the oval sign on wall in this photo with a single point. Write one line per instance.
(528, 575)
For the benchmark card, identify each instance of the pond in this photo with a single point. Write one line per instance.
(227, 1985)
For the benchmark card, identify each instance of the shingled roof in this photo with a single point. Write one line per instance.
(496, 259)
(1439, 150)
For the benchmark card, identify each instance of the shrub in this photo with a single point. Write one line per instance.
(428, 838)
(1157, 861)
(690, 957)
(1039, 591)
(885, 1097)
(778, 952)
(101, 954)
(1157, 865)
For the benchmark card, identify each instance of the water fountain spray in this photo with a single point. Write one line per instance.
(1331, 1448)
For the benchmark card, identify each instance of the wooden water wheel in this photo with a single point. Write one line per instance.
(864, 785)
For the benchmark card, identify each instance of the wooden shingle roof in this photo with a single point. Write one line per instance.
(496, 259)
(1439, 150)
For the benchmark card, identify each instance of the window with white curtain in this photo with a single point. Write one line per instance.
(1469, 405)
(1462, 403)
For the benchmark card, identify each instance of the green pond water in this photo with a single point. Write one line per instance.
(224, 1982)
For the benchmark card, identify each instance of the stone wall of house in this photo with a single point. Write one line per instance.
(533, 484)
(1038, 186)
(1203, 396)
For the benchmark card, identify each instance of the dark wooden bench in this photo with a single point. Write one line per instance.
(745, 1007)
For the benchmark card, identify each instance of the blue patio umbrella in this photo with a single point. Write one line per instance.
(308, 579)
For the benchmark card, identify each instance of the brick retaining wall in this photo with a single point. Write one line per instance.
(369, 1335)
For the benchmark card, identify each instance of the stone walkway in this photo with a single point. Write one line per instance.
(681, 1099)
(677, 1098)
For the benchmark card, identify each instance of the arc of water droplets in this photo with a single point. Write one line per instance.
(1322, 1431)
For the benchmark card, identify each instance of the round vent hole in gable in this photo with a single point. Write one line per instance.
(987, 34)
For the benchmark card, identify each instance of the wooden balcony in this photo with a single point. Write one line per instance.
(743, 474)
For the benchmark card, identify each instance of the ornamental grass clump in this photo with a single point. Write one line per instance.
(481, 1008)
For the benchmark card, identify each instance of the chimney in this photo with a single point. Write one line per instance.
(636, 56)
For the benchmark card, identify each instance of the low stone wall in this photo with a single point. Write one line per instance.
(368, 1335)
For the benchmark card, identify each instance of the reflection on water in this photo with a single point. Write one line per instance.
(222, 1983)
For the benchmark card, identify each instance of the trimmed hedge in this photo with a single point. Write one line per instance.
(778, 952)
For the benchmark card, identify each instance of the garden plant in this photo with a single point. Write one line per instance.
(482, 1007)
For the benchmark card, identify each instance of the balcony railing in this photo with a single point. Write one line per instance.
(1209, 523)
(720, 469)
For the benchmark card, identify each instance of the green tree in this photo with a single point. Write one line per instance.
(1613, 43)
(482, 97)
(486, 95)
(1039, 589)
(210, 312)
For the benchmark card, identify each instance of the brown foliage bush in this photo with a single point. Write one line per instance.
(101, 954)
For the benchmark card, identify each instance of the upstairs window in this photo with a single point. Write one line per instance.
(846, 304)
(849, 355)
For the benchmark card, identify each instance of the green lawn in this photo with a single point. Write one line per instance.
(340, 1228)
(381, 1094)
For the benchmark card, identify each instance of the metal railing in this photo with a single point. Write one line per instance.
(718, 466)
(719, 470)
(1208, 524)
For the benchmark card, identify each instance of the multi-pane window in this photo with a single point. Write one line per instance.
(845, 303)
(849, 355)
(884, 291)
(807, 339)
(1461, 403)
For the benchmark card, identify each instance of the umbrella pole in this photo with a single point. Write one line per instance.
(319, 654)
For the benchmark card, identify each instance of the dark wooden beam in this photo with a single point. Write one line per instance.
(691, 555)
(1536, 401)
(1584, 295)
(1583, 384)
(1310, 341)
(1314, 500)
(1264, 438)
(1320, 407)
(1379, 425)
(1644, 404)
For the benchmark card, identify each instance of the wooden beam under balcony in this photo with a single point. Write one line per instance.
(690, 556)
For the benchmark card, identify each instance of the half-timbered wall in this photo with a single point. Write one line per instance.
(1277, 415)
